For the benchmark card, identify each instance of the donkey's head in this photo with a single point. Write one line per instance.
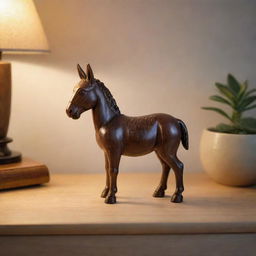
(85, 97)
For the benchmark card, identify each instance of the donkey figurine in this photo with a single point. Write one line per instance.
(119, 135)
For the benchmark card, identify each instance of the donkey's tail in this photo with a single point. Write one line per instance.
(184, 134)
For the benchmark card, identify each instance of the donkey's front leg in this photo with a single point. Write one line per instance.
(106, 189)
(113, 160)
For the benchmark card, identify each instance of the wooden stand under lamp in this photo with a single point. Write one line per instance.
(21, 31)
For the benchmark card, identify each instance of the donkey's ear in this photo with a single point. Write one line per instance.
(81, 72)
(90, 73)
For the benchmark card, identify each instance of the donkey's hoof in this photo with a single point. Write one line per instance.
(159, 193)
(104, 192)
(110, 200)
(177, 198)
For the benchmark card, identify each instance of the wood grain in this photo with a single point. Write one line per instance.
(25, 173)
(71, 204)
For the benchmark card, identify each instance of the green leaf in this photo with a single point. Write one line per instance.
(246, 102)
(218, 110)
(225, 91)
(242, 92)
(251, 107)
(220, 99)
(233, 84)
(225, 128)
(248, 123)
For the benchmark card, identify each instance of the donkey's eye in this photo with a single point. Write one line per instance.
(81, 92)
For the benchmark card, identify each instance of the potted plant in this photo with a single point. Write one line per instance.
(228, 151)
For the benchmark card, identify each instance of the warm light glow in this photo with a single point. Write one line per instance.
(4, 5)
(20, 27)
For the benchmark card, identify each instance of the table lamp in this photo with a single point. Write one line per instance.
(21, 32)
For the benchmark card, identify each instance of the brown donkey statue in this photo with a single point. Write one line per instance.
(118, 135)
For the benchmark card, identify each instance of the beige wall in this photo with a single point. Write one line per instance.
(155, 56)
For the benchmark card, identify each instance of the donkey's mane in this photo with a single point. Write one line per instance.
(109, 97)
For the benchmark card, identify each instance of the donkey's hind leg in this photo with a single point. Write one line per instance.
(178, 171)
(177, 167)
(160, 191)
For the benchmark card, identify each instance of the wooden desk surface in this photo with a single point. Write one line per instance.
(71, 204)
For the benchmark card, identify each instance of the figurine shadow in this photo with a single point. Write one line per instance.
(132, 201)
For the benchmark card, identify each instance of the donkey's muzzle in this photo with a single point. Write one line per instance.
(73, 113)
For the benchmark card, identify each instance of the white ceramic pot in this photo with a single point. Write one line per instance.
(229, 159)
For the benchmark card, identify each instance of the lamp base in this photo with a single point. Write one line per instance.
(6, 155)
(26, 173)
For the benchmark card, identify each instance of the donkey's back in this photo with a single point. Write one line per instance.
(135, 136)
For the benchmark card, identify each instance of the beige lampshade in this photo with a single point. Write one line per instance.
(20, 28)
